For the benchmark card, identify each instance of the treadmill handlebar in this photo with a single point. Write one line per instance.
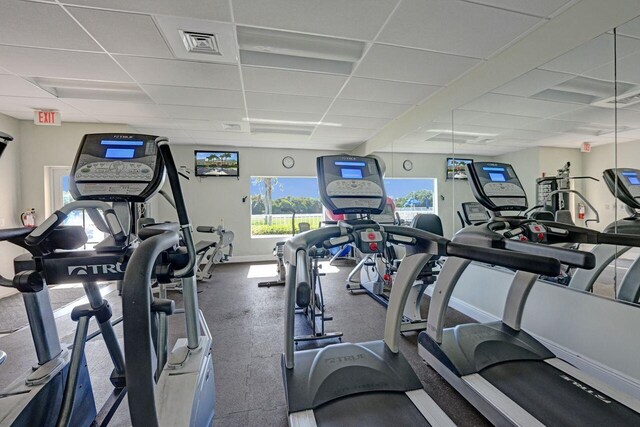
(302, 270)
(618, 239)
(570, 257)
(428, 242)
(537, 264)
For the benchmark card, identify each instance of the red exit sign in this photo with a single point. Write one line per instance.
(47, 118)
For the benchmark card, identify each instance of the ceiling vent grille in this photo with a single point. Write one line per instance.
(626, 99)
(282, 129)
(200, 42)
(232, 126)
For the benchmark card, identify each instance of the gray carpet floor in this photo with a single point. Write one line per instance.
(247, 326)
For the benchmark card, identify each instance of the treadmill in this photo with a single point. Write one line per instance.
(507, 374)
(624, 184)
(369, 383)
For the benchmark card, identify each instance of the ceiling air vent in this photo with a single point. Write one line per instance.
(232, 126)
(624, 100)
(200, 42)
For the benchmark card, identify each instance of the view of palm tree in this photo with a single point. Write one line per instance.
(210, 163)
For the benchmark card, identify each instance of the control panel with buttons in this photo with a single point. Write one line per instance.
(370, 241)
(117, 167)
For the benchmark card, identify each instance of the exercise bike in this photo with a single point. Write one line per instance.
(310, 301)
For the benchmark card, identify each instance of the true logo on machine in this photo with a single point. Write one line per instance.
(586, 389)
(83, 270)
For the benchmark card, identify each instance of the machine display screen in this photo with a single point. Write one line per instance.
(351, 164)
(496, 174)
(497, 177)
(632, 177)
(351, 173)
(122, 143)
(120, 153)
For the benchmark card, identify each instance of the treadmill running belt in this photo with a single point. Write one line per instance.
(370, 409)
(555, 398)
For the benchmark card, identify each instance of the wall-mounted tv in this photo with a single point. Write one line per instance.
(217, 163)
(457, 168)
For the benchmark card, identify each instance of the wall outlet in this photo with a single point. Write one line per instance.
(1, 222)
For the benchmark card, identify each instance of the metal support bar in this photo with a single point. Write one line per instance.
(74, 370)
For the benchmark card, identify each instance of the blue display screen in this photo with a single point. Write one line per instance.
(351, 173)
(632, 177)
(122, 143)
(497, 177)
(120, 153)
(351, 164)
(492, 169)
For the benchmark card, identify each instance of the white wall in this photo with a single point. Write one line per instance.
(10, 192)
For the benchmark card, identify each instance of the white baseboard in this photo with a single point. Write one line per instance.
(599, 371)
(251, 258)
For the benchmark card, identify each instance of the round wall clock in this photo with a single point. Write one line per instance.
(288, 162)
(407, 165)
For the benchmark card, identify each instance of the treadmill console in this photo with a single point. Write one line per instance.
(351, 184)
(117, 167)
(475, 213)
(627, 186)
(496, 186)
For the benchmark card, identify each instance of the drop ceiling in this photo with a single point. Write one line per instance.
(331, 73)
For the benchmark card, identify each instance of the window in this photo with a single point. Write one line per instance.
(282, 206)
(412, 196)
(60, 196)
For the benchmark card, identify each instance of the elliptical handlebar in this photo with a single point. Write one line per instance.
(111, 221)
(180, 206)
(138, 345)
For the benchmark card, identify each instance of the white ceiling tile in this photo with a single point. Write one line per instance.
(454, 27)
(25, 104)
(57, 63)
(631, 28)
(202, 113)
(343, 132)
(386, 91)
(197, 97)
(593, 54)
(210, 9)
(358, 122)
(321, 142)
(356, 19)
(460, 116)
(291, 82)
(169, 133)
(412, 65)
(535, 7)
(114, 108)
(120, 32)
(533, 82)
(507, 121)
(41, 25)
(278, 102)
(15, 86)
(181, 73)
(627, 70)
(350, 107)
(286, 116)
(552, 125)
(589, 115)
(527, 134)
(505, 104)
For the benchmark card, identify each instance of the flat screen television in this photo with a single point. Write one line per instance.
(457, 168)
(217, 163)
